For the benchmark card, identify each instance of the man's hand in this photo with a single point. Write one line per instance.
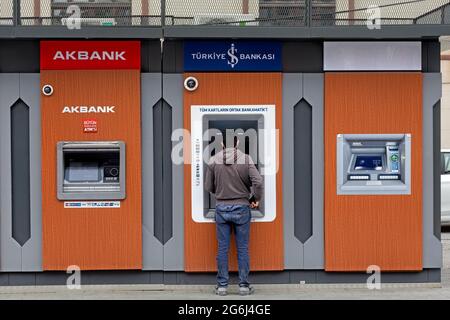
(254, 205)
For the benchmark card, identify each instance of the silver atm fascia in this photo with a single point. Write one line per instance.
(378, 164)
(91, 170)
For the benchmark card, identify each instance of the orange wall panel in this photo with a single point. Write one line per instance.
(93, 239)
(363, 230)
(266, 238)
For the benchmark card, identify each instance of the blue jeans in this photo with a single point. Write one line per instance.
(228, 218)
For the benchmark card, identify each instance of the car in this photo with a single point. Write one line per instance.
(445, 187)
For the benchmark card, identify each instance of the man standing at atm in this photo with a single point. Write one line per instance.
(234, 179)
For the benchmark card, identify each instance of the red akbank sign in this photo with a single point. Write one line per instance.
(90, 55)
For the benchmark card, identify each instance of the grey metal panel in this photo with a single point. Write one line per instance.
(431, 55)
(360, 277)
(173, 56)
(432, 248)
(52, 32)
(52, 278)
(332, 32)
(10, 250)
(434, 275)
(145, 32)
(292, 94)
(111, 277)
(158, 192)
(177, 277)
(151, 56)
(386, 32)
(303, 170)
(4, 279)
(22, 279)
(152, 248)
(19, 56)
(167, 186)
(162, 169)
(310, 88)
(12, 256)
(233, 32)
(174, 248)
(437, 168)
(297, 276)
(302, 56)
(156, 277)
(313, 92)
(30, 94)
(20, 172)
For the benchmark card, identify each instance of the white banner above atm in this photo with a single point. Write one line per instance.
(372, 56)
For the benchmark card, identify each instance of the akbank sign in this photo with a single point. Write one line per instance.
(232, 56)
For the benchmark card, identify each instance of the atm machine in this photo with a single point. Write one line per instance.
(373, 164)
(374, 203)
(91, 158)
(91, 170)
(254, 126)
(249, 106)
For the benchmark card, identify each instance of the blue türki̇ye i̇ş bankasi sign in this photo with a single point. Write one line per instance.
(232, 56)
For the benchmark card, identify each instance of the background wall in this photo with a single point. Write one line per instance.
(389, 9)
(445, 102)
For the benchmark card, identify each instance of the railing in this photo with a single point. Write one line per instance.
(384, 12)
(252, 13)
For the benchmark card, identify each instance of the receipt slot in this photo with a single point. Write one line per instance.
(254, 126)
(91, 170)
(373, 164)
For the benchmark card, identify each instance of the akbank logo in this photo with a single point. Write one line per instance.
(88, 109)
(233, 59)
(90, 55)
(86, 55)
(232, 56)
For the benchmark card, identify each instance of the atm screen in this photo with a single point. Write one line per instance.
(369, 163)
(83, 172)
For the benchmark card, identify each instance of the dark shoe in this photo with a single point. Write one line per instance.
(221, 291)
(246, 291)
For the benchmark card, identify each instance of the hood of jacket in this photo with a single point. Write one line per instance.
(230, 156)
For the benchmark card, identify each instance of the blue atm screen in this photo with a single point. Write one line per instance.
(369, 163)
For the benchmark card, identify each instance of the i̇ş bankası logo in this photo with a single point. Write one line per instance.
(233, 56)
